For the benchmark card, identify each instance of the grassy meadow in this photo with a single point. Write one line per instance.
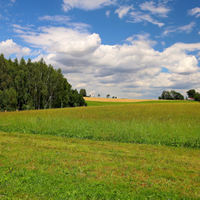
(159, 124)
(131, 150)
(109, 103)
(49, 167)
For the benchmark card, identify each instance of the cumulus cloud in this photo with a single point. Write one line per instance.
(9, 47)
(194, 11)
(123, 10)
(62, 40)
(86, 4)
(134, 66)
(187, 28)
(160, 10)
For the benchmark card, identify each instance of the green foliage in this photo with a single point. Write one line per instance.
(28, 86)
(172, 95)
(10, 99)
(165, 95)
(197, 96)
(83, 92)
(1, 101)
(191, 93)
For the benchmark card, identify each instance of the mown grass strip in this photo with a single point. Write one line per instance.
(47, 167)
(158, 124)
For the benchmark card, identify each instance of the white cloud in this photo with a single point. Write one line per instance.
(138, 16)
(141, 17)
(160, 10)
(27, 27)
(13, 1)
(163, 43)
(133, 67)
(187, 28)
(86, 4)
(187, 47)
(123, 10)
(3, 17)
(81, 85)
(194, 11)
(9, 47)
(62, 40)
(56, 18)
(62, 19)
(107, 13)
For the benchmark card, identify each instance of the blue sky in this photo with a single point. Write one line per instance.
(125, 48)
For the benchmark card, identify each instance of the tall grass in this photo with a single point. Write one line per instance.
(161, 124)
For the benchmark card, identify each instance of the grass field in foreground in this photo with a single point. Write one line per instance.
(47, 167)
(161, 124)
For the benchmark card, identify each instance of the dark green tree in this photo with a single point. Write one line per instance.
(191, 93)
(2, 105)
(83, 92)
(176, 95)
(34, 86)
(171, 95)
(10, 99)
(197, 96)
(166, 95)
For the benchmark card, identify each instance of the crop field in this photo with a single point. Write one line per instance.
(128, 151)
(116, 100)
(106, 101)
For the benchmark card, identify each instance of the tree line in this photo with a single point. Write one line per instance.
(173, 95)
(34, 85)
(193, 94)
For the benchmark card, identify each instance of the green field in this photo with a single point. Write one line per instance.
(160, 124)
(127, 151)
(101, 103)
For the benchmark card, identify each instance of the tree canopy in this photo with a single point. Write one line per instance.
(197, 96)
(34, 85)
(171, 95)
(83, 92)
(191, 93)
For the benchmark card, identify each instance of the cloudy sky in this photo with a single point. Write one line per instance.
(125, 48)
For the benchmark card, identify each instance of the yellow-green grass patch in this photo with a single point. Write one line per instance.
(48, 167)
